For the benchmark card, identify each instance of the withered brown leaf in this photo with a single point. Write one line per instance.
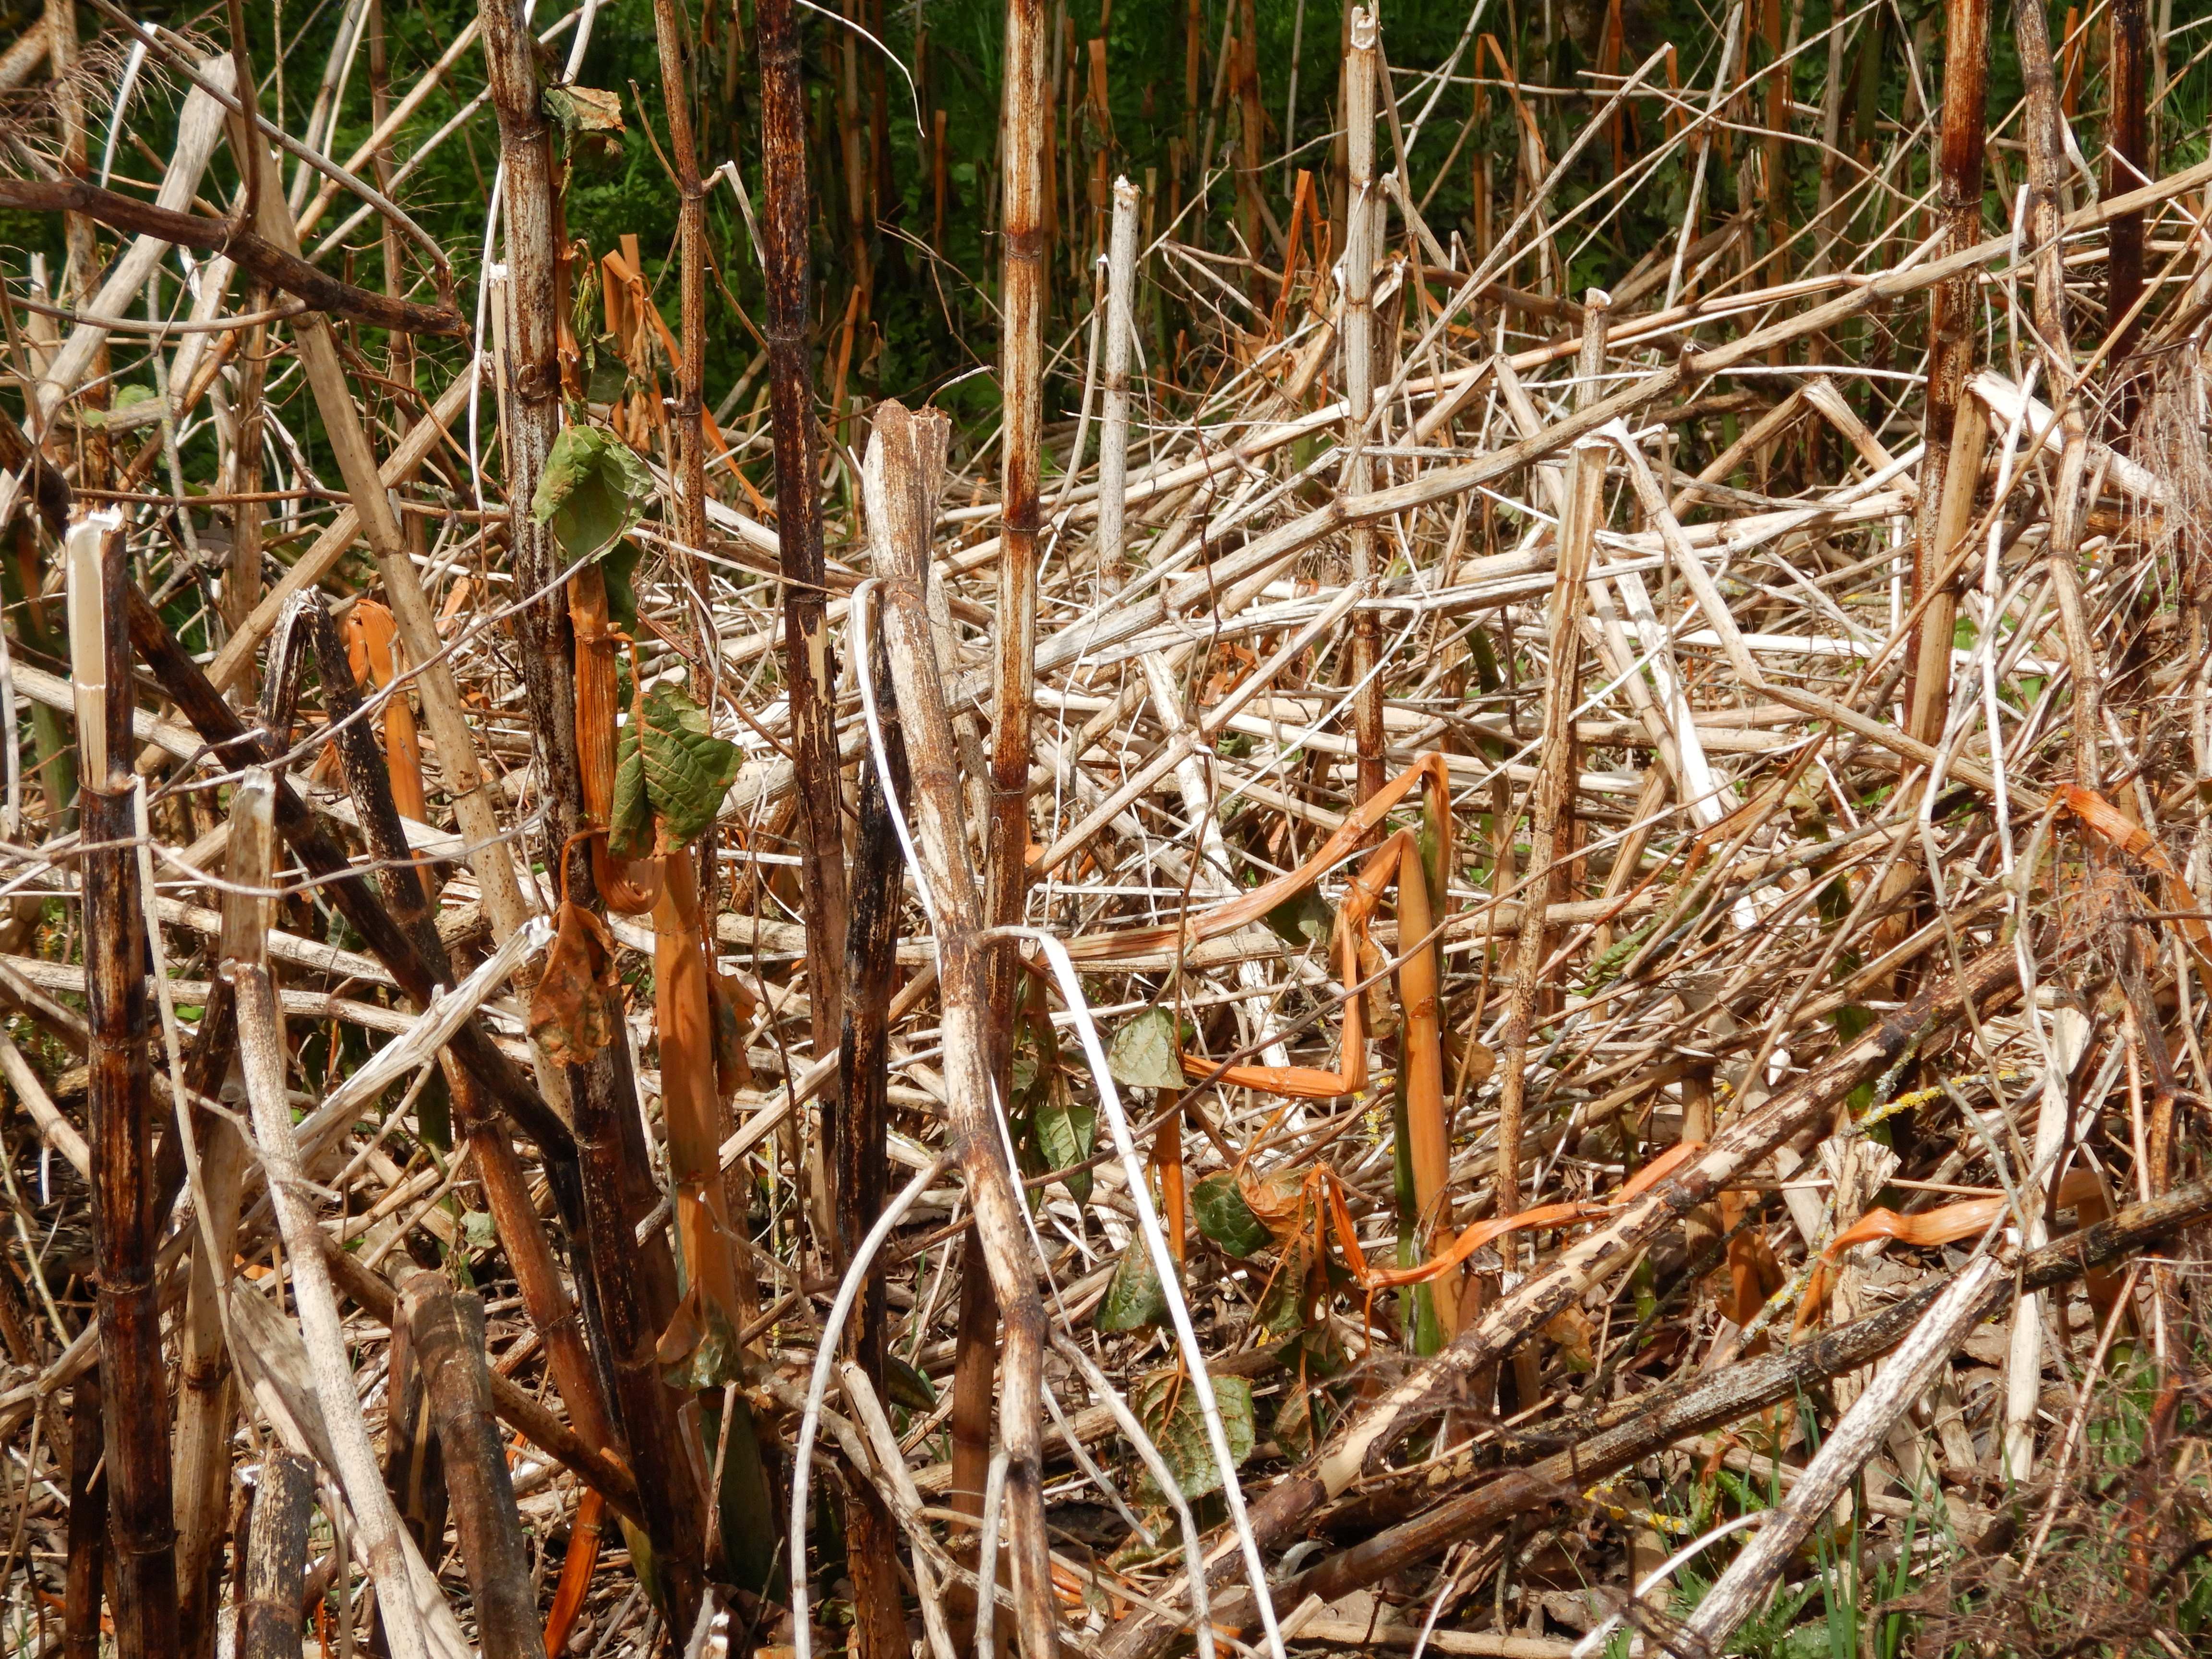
(576, 1008)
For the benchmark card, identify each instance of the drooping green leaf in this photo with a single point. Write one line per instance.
(907, 1386)
(1146, 1052)
(1134, 1297)
(594, 488)
(630, 835)
(605, 374)
(1066, 1129)
(618, 565)
(1168, 1406)
(1305, 918)
(1223, 1216)
(688, 769)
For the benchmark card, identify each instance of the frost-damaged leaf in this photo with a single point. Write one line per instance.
(594, 488)
(1276, 1200)
(1134, 1297)
(1146, 1052)
(1295, 1425)
(584, 109)
(1167, 1404)
(688, 769)
(1225, 1217)
(576, 1008)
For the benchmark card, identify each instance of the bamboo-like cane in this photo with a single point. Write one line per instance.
(126, 1230)
(1114, 424)
(1578, 525)
(798, 510)
(207, 1388)
(905, 458)
(2127, 162)
(859, 1154)
(88, 1522)
(375, 1523)
(276, 1559)
(1952, 332)
(1357, 333)
(1026, 127)
(447, 1327)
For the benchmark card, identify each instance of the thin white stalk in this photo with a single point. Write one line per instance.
(1163, 1264)
(1113, 427)
(1133, 1431)
(987, 1553)
(825, 1362)
(261, 1047)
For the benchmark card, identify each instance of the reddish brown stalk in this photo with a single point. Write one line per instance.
(689, 462)
(1025, 119)
(126, 1231)
(2046, 177)
(809, 673)
(277, 1558)
(1952, 331)
(87, 1523)
(446, 1329)
(1025, 123)
(859, 1154)
(633, 1284)
(2127, 163)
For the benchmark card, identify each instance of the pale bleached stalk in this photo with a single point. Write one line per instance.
(1358, 343)
(1170, 1279)
(825, 1362)
(460, 771)
(1842, 1454)
(1114, 422)
(262, 1055)
(1730, 31)
(215, 1155)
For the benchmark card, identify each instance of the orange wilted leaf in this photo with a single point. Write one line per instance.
(699, 1345)
(575, 1571)
(731, 1007)
(1946, 1223)
(2107, 820)
(576, 1009)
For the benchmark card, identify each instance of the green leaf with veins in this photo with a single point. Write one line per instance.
(1066, 1129)
(1223, 1216)
(669, 768)
(1167, 1404)
(1134, 1297)
(592, 489)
